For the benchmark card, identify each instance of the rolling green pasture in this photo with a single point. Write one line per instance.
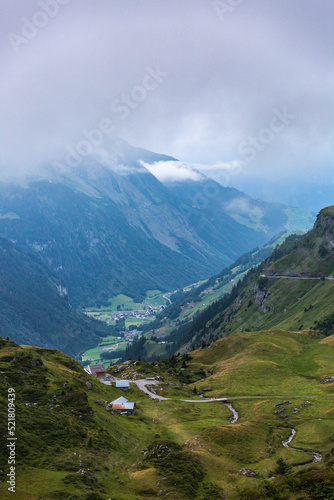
(122, 457)
(154, 298)
(270, 363)
(94, 354)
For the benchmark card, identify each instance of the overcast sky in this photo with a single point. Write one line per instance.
(221, 85)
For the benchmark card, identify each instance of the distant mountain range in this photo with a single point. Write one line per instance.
(310, 194)
(109, 226)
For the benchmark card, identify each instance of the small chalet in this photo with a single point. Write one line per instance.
(97, 371)
(123, 406)
(123, 384)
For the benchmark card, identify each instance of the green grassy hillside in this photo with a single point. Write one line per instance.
(292, 289)
(314, 253)
(272, 378)
(69, 446)
(292, 304)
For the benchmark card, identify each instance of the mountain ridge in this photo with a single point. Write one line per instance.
(109, 226)
(297, 296)
(289, 289)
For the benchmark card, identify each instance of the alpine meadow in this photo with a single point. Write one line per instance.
(166, 250)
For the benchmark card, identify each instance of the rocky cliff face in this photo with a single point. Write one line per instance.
(324, 226)
(260, 295)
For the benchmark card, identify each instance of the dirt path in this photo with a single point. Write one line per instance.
(143, 383)
(167, 298)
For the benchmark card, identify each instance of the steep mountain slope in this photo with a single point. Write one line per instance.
(187, 304)
(34, 308)
(292, 289)
(210, 200)
(109, 226)
(89, 242)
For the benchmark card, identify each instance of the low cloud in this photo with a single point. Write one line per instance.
(169, 171)
(240, 206)
(184, 81)
(229, 166)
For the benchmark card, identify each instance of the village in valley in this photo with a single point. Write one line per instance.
(123, 308)
(128, 318)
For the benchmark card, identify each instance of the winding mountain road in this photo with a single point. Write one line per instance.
(143, 383)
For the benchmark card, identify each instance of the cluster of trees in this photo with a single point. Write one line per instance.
(111, 354)
(326, 326)
(290, 243)
(209, 319)
(135, 350)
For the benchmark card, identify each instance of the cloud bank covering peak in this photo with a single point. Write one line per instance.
(171, 171)
(250, 86)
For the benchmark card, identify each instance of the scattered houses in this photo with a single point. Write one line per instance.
(123, 406)
(97, 371)
(122, 384)
(149, 314)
